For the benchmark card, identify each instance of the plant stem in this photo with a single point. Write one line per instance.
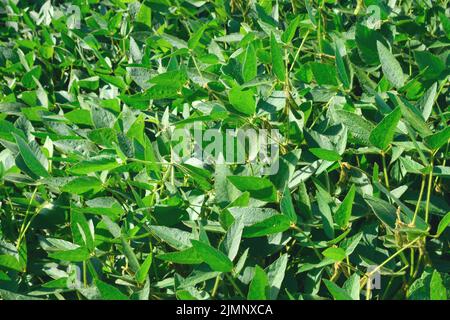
(298, 51)
(319, 28)
(422, 187)
(386, 178)
(216, 286)
(386, 291)
(430, 182)
(235, 286)
(309, 240)
(369, 274)
(368, 289)
(348, 265)
(408, 245)
(84, 274)
(443, 164)
(419, 259)
(24, 226)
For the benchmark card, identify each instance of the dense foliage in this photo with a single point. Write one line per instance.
(93, 205)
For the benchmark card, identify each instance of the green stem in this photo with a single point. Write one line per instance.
(319, 28)
(309, 240)
(216, 286)
(368, 289)
(348, 265)
(298, 51)
(24, 226)
(386, 178)
(386, 291)
(196, 66)
(443, 164)
(430, 183)
(235, 286)
(311, 243)
(84, 274)
(419, 260)
(392, 257)
(422, 187)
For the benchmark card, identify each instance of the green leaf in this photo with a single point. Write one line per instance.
(439, 171)
(443, 224)
(276, 274)
(445, 23)
(173, 78)
(188, 256)
(9, 295)
(259, 285)
(325, 74)
(415, 120)
(7, 129)
(29, 78)
(352, 286)
(142, 273)
(10, 262)
(259, 188)
(286, 206)
(342, 70)
(103, 136)
(114, 80)
(427, 101)
(176, 238)
(344, 212)
(390, 66)
(278, 66)
(420, 288)
(195, 38)
(102, 118)
(250, 216)
(144, 15)
(336, 254)
(325, 212)
(233, 238)
(289, 33)
(325, 154)
(82, 232)
(431, 66)
(242, 100)
(366, 41)
(160, 91)
(90, 83)
(94, 164)
(103, 205)
(128, 251)
(437, 288)
(383, 210)
(437, 140)
(411, 166)
(274, 224)
(74, 255)
(213, 257)
(358, 127)
(337, 292)
(108, 292)
(249, 68)
(31, 157)
(383, 134)
(80, 185)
